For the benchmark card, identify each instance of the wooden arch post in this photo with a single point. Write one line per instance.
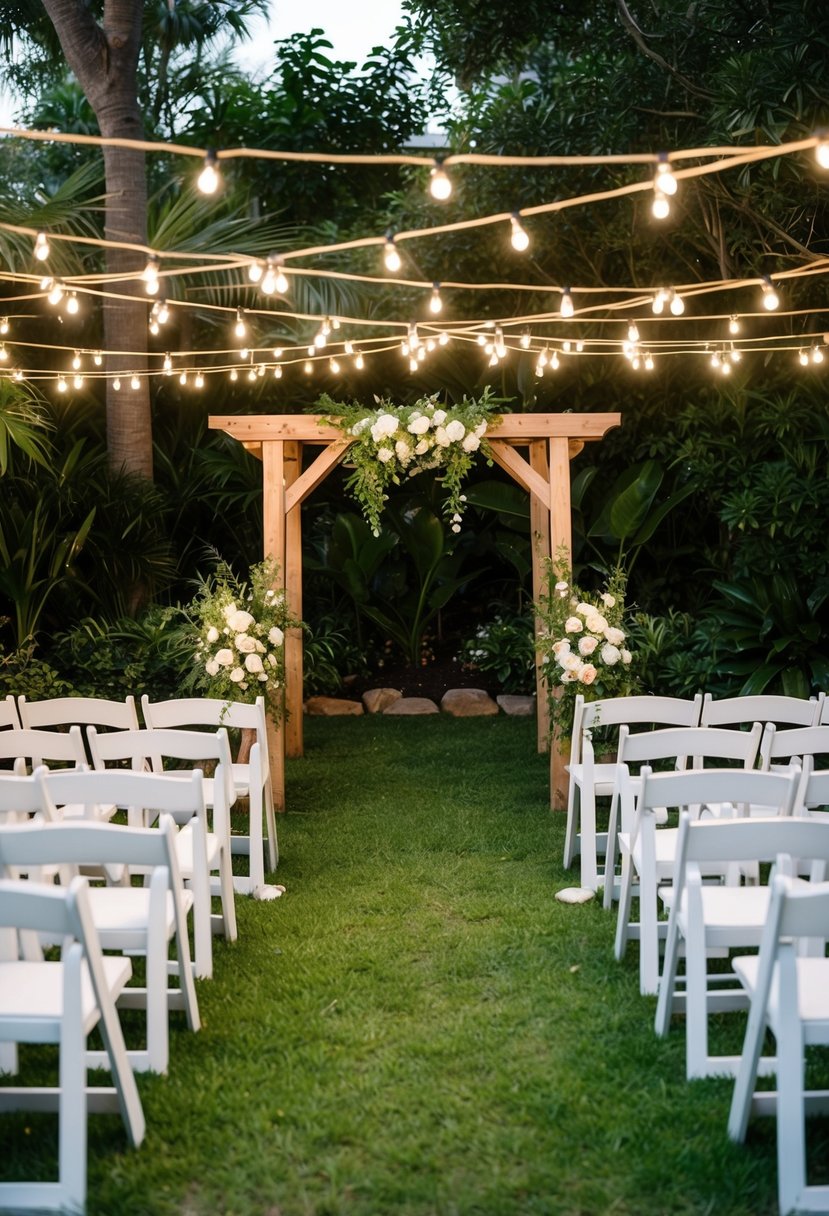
(279, 441)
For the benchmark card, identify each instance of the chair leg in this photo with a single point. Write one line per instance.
(791, 1123)
(747, 1071)
(667, 982)
(227, 896)
(72, 1098)
(623, 915)
(589, 863)
(697, 1063)
(571, 831)
(648, 934)
(270, 823)
(611, 854)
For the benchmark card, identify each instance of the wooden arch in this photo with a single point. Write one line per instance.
(278, 440)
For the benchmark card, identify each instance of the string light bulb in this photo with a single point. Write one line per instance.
(240, 329)
(771, 300)
(664, 180)
(677, 304)
(72, 305)
(61, 385)
(519, 237)
(525, 339)
(633, 332)
(440, 187)
(281, 279)
(660, 300)
(649, 362)
(277, 372)
(55, 292)
(359, 361)
(4, 354)
(208, 179)
(234, 375)
(660, 207)
(822, 150)
(77, 381)
(817, 354)
(41, 247)
(199, 380)
(734, 326)
(116, 384)
(98, 358)
(334, 366)
(168, 365)
(76, 360)
(135, 384)
(308, 367)
(391, 257)
(150, 275)
(183, 379)
(4, 325)
(803, 357)
(443, 339)
(435, 303)
(255, 272)
(566, 307)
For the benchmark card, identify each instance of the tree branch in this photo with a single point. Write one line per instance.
(639, 38)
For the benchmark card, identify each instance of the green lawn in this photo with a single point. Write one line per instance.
(417, 1027)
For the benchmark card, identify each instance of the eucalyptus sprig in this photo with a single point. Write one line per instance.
(395, 442)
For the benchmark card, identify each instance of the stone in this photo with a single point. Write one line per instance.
(332, 707)
(377, 700)
(516, 706)
(468, 703)
(412, 705)
(575, 895)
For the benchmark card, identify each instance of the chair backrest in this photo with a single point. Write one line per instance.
(702, 841)
(209, 711)
(18, 795)
(813, 791)
(181, 797)
(781, 710)
(715, 786)
(781, 745)
(8, 713)
(634, 710)
(78, 711)
(36, 747)
(698, 742)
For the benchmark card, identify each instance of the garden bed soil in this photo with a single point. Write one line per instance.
(432, 679)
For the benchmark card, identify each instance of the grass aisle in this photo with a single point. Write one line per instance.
(417, 1027)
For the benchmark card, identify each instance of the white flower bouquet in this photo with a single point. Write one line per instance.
(394, 442)
(581, 641)
(239, 648)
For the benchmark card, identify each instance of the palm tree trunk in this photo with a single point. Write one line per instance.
(104, 59)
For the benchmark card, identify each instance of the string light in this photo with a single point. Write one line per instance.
(255, 272)
(660, 207)
(308, 367)
(234, 375)
(168, 365)
(822, 150)
(734, 326)
(519, 237)
(554, 361)
(500, 346)
(391, 257)
(199, 380)
(252, 374)
(660, 300)
(274, 280)
(771, 300)
(260, 371)
(736, 354)
(72, 305)
(443, 339)
(413, 365)
(55, 293)
(633, 332)
(817, 354)
(116, 384)
(150, 275)
(525, 339)
(803, 357)
(41, 247)
(348, 348)
(78, 381)
(208, 179)
(240, 329)
(277, 372)
(277, 352)
(281, 279)
(359, 361)
(677, 304)
(664, 180)
(61, 385)
(334, 366)
(435, 303)
(135, 384)
(183, 379)
(566, 308)
(243, 354)
(649, 362)
(76, 361)
(98, 358)
(440, 187)
(4, 325)
(4, 354)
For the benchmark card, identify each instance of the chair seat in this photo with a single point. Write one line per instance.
(812, 991)
(184, 850)
(731, 910)
(604, 777)
(31, 997)
(664, 849)
(120, 912)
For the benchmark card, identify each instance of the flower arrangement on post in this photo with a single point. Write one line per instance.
(239, 649)
(395, 442)
(581, 640)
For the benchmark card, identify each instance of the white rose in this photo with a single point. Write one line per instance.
(245, 644)
(608, 600)
(385, 455)
(561, 587)
(570, 662)
(240, 621)
(471, 442)
(385, 426)
(237, 675)
(402, 451)
(567, 677)
(253, 664)
(418, 426)
(626, 657)
(360, 426)
(614, 636)
(441, 437)
(480, 429)
(438, 418)
(272, 660)
(212, 634)
(422, 447)
(228, 611)
(611, 654)
(596, 624)
(263, 675)
(275, 636)
(455, 430)
(585, 609)
(573, 625)
(211, 667)
(560, 648)
(224, 657)
(587, 645)
(587, 674)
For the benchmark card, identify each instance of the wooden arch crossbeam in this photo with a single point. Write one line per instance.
(279, 440)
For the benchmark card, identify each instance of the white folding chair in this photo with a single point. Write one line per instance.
(813, 792)
(252, 779)
(705, 918)
(648, 849)
(590, 780)
(761, 707)
(8, 714)
(78, 711)
(141, 748)
(790, 997)
(28, 749)
(777, 747)
(139, 919)
(60, 1003)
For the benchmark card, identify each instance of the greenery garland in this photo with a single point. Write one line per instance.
(395, 442)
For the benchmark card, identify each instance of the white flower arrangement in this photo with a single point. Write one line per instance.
(395, 442)
(239, 647)
(582, 643)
